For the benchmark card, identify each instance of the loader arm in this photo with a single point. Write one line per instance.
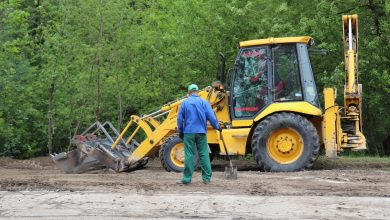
(148, 147)
(156, 132)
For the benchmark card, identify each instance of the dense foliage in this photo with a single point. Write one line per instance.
(66, 63)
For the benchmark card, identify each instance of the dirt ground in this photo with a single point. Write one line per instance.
(334, 184)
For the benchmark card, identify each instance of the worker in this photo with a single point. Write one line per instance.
(192, 126)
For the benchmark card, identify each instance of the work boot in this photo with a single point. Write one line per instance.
(206, 182)
(180, 182)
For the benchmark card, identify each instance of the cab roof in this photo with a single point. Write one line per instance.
(282, 40)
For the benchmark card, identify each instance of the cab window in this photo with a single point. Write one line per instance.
(286, 81)
(250, 84)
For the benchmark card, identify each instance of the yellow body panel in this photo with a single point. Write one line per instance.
(212, 136)
(235, 140)
(242, 123)
(331, 124)
(298, 107)
(283, 40)
(219, 104)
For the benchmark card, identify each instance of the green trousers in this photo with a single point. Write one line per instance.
(200, 142)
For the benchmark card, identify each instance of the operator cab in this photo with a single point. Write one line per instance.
(271, 70)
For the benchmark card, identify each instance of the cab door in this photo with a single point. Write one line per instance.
(250, 83)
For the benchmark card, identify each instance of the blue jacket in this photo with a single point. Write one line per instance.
(192, 116)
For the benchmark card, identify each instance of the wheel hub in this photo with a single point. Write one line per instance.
(180, 155)
(285, 145)
(177, 155)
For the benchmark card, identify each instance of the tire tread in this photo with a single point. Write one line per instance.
(301, 121)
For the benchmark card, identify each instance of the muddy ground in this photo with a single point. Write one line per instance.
(42, 174)
(328, 183)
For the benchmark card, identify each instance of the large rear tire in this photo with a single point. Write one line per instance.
(285, 142)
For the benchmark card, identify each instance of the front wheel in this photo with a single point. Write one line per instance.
(172, 154)
(285, 142)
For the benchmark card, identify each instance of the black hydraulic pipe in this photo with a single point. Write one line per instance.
(222, 71)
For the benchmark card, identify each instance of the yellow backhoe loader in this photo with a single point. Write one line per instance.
(270, 109)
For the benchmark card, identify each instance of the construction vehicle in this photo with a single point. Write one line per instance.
(270, 109)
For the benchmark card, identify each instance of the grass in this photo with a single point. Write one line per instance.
(358, 162)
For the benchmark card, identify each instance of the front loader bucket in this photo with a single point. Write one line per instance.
(94, 151)
(89, 155)
(108, 158)
(92, 156)
(75, 161)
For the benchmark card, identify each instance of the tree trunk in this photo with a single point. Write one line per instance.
(97, 110)
(119, 91)
(50, 117)
(377, 12)
(72, 135)
(98, 63)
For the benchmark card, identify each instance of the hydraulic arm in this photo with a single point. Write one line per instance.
(345, 132)
(352, 90)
